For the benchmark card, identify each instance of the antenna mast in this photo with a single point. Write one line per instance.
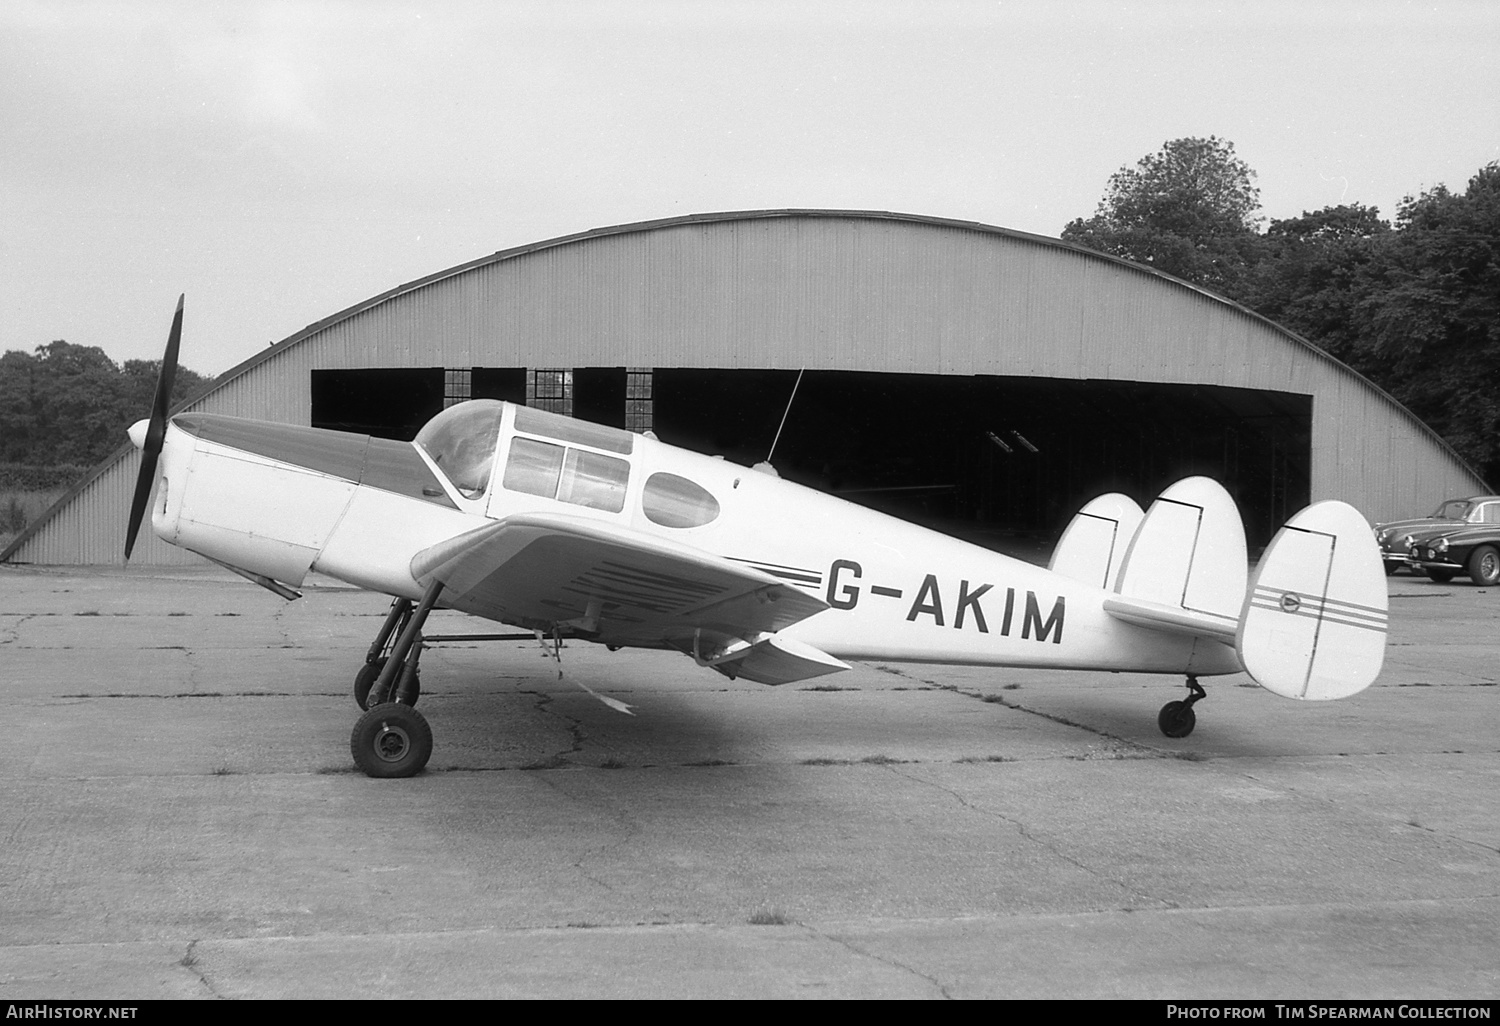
(784, 414)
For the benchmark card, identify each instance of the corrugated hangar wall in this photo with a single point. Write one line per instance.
(822, 290)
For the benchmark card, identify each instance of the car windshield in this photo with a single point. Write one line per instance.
(1458, 509)
(461, 441)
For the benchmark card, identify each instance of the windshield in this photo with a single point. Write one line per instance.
(1458, 509)
(461, 441)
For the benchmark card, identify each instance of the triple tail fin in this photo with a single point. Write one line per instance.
(1310, 625)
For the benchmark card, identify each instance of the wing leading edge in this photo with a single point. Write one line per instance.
(622, 587)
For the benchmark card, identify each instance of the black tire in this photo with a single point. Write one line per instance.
(364, 680)
(1438, 574)
(1177, 719)
(391, 740)
(1484, 566)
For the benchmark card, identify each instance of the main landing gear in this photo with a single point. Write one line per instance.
(1177, 719)
(392, 739)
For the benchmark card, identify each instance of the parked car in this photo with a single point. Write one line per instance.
(1399, 539)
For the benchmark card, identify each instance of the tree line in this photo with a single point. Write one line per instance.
(70, 405)
(1412, 305)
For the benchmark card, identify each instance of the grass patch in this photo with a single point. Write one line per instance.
(1012, 687)
(986, 758)
(884, 760)
(770, 917)
(549, 763)
(611, 763)
(825, 762)
(1190, 756)
(223, 771)
(993, 699)
(827, 687)
(710, 762)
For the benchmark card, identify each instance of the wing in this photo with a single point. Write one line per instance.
(611, 584)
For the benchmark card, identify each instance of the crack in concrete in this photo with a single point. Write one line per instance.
(1145, 751)
(850, 946)
(1327, 799)
(1137, 899)
(544, 703)
(189, 961)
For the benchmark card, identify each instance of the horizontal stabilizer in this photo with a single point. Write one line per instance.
(1173, 619)
(1093, 546)
(1314, 620)
(1186, 567)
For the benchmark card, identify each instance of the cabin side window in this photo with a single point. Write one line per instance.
(593, 480)
(577, 476)
(533, 467)
(673, 501)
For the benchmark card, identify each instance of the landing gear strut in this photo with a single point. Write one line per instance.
(392, 739)
(1177, 719)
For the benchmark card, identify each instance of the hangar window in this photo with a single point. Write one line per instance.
(461, 441)
(673, 501)
(577, 476)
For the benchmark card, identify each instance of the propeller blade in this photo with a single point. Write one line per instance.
(160, 405)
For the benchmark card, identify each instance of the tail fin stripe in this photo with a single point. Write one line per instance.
(1311, 614)
(1312, 609)
(1353, 608)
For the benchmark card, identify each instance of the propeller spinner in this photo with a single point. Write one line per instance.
(155, 431)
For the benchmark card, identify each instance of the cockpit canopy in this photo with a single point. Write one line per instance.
(461, 441)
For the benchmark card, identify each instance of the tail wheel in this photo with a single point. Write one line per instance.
(391, 740)
(1177, 719)
(1484, 566)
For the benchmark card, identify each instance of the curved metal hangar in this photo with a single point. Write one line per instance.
(978, 380)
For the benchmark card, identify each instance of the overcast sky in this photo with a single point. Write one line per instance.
(279, 162)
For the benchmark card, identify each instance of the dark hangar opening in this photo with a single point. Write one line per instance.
(1002, 461)
(396, 402)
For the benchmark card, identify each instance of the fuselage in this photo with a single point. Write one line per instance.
(281, 500)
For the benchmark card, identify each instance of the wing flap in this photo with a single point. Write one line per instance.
(776, 660)
(540, 570)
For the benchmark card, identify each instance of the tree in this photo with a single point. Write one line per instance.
(1313, 272)
(72, 404)
(1189, 210)
(1427, 324)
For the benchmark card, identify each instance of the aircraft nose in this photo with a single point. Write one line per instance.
(137, 433)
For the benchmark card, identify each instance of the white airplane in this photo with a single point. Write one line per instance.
(573, 530)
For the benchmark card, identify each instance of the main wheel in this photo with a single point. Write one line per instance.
(1439, 575)
(364, 680)
(391, 740)
(1484, 566)
(1177, 719)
